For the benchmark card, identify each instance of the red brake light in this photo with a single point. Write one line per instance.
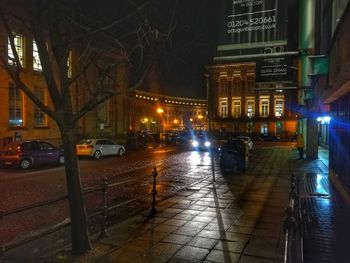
(19, 150)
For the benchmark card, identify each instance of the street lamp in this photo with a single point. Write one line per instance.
(176, 122)
(160, 122)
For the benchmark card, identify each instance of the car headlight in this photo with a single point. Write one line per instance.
(207, 144)
(195, 143)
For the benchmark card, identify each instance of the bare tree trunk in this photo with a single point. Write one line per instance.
(79, 231)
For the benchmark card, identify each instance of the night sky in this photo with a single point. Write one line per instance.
(193, 46)
(187, 39)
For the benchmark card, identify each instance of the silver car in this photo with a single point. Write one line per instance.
(98, 148)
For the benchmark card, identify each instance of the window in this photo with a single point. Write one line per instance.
(279, 105)
(223, 107)
(264, 107)
(15, 106)
(250, 108)
(36, 58)
(236, 107)
(46, 146)
(19, 45)
(39, 115)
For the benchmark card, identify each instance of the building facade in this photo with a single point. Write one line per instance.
(20, 118)
(330, 86)
(243, 107)
(160, 115)
(253, 78)
(125, 113)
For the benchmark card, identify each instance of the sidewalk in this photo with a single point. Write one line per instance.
(237, 218)
(326, 218)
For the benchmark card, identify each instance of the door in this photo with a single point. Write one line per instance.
(48, 153)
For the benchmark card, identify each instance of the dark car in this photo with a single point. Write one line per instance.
(31, 153)
(201, 141)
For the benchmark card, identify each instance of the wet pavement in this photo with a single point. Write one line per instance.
(237, 218)
(326, 220)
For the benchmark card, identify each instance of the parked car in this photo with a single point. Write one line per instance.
(97, 148)
(31, 153)
(248, 140)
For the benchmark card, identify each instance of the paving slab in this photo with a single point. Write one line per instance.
(238, 218)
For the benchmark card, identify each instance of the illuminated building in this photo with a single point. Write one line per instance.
(252, 81)
(241, 107)
(178, 114)
(20, 118)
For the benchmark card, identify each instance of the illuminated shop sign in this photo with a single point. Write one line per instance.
(275, 69)
(253, 22)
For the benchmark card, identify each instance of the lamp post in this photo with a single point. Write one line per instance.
(200, 119)
(160, 122)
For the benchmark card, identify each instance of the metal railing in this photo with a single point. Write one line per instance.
(105, 188)
(293, 250)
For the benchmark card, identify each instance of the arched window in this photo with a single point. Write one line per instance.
(236, 107)
(279, 107)
(264, 106)
(223, 107)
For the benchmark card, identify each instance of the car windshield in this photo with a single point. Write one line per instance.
(201, 136)
(85, 142)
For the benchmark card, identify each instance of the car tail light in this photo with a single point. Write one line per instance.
(19, 149)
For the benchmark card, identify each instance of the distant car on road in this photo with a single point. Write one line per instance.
(97, 148)
(31, 153)
(248, 140)
(201, 141)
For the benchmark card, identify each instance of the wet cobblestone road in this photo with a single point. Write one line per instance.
(261, 193)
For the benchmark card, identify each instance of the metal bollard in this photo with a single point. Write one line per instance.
(154, 192)
(293, 179)
(293, 194)
(289, 221)
(105, 207)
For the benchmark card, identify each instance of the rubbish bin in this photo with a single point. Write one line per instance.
(227, 158)
(241, 152)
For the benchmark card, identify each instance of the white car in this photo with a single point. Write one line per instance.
(248, 140)
(98, 148)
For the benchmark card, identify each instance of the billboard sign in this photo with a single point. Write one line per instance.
(253, 22)
(278, 69)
